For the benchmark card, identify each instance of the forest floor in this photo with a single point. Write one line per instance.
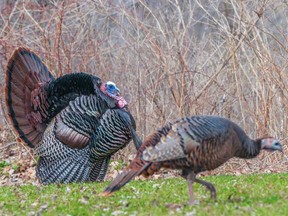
(257, 194)
(18, 165)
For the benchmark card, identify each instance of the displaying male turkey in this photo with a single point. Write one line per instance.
(75, 122)
(192, 145)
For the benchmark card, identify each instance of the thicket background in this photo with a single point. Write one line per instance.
(170, 58)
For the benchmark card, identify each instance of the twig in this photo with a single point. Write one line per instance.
(7, 145)
(227, 59)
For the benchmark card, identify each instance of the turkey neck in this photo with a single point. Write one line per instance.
(244, 146)
(66, 88)
(250, 148)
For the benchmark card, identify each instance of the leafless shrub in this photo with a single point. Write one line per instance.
(170, 58)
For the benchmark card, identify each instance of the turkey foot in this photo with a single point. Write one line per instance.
(209, 186)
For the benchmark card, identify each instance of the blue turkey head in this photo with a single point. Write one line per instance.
(112, 89)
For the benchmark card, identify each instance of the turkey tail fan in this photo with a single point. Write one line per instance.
(25, 73)
(124, 177)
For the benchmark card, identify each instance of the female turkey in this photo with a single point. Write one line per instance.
(192, 145)
(68, 120)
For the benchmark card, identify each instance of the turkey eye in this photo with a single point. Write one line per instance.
(277, 144)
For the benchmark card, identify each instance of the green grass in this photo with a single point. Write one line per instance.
(265, 194)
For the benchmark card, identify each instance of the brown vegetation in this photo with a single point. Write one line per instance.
(170, 59)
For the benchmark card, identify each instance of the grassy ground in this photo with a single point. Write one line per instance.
(265, 194)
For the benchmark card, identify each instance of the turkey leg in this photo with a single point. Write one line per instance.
(190, 179)
(209, 186)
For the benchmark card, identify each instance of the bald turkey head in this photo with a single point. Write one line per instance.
(270, 144)
(111, 90)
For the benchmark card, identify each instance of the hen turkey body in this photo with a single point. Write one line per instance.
(192, 145)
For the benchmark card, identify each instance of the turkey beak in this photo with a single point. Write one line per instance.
(117, 91)
(281, 150)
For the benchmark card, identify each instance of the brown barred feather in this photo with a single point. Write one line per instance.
(24, 71)
(192, 145)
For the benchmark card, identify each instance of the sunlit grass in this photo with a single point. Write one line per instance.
(265, 194)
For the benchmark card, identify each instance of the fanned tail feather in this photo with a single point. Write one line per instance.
(25, 72)
(123, 178)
